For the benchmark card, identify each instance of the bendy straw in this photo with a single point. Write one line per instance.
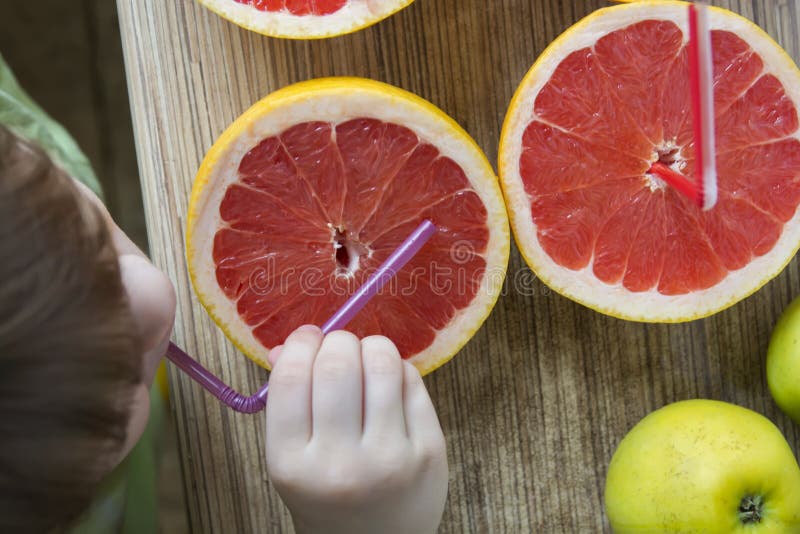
(703, 190)
(255, 403)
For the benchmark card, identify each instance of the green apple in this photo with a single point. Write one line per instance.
(703, 466)
(783, 361)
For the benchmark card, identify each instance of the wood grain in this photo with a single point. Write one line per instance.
(534, 406)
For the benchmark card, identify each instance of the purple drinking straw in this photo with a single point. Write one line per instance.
(344, 315)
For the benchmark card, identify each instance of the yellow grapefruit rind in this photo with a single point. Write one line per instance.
(351, 98)
(582, 286)
(357, 15)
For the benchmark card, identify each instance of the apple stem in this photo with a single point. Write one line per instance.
(751, 509)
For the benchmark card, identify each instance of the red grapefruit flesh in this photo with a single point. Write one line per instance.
(297, 7)
(362, 169)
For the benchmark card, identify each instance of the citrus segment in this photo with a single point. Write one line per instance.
(288, 222)
(607, 100)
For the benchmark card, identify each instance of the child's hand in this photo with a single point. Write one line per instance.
(353, 442)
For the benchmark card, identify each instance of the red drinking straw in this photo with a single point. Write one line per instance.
(703, 191)
(344, 315)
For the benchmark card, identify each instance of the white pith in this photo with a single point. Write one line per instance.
(583, 286)
(336, 105)
(356, 14)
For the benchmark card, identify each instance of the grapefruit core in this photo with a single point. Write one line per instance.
(604, 103)
(312, 188)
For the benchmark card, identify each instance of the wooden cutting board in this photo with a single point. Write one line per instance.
(535, 404)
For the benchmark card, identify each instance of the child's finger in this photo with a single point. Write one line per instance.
(337, 389)
(421, 420)
(289, 399)
(383, 389)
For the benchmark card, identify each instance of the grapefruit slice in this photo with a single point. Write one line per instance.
(605, 101)
(312, 188)
(305, 19)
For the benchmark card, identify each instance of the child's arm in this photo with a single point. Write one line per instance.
(353, 442)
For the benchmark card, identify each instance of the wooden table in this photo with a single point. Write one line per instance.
(534, 406)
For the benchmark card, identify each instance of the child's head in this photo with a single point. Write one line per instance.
(73, 383)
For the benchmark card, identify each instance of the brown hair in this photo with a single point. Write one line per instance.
(68, 360)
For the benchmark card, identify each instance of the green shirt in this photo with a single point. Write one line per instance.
(27, 120)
